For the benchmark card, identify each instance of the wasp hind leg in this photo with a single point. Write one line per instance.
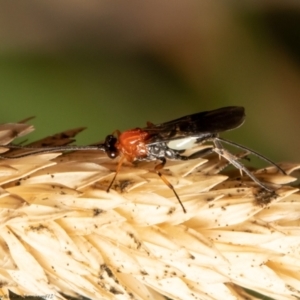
(234, 161)
(197, 154)
(164, 179)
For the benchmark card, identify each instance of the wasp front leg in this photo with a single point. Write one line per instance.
(116, 173)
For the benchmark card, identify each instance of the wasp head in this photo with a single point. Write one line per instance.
(110, 146)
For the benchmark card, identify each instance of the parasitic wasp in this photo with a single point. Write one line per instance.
(168, 141)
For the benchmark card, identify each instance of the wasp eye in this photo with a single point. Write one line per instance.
(112, 154)
(110, 148)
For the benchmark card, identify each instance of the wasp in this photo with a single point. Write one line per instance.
(167, 141)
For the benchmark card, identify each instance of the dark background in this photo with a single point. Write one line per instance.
(116, 64)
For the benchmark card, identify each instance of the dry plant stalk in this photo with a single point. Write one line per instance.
(63, 234)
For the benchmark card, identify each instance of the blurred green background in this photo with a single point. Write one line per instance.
(113, 65)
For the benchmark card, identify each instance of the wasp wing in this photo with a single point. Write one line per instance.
(196, 125)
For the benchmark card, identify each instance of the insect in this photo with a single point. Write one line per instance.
(168, 141)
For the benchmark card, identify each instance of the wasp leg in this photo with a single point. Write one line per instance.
(164, 179)
(234, 161)
(117, 171)
(195, 155)
(200, 153)
(252, 152)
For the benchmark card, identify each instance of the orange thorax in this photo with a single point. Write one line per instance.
(132, 143)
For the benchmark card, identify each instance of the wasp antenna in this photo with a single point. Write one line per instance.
(251, 151)
(25, 154)
(40, 150)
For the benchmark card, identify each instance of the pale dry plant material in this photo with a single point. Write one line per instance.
(62, 234)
